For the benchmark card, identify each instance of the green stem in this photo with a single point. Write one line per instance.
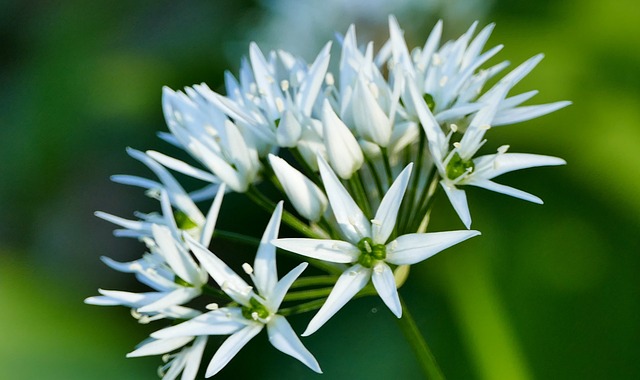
(236, 237)
(360, 196)
(409, 206)
(375, 175)
(307, 294)
(302, 308)
(313, 281)
(261, 200)
(420, 348)
(387, 166)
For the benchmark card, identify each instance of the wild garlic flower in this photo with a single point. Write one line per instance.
(455, 161)
(256, 309)
(185, 361)
(366, 246)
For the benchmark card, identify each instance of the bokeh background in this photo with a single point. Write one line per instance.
(548, 292)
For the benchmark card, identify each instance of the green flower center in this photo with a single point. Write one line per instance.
(457, 167)
(183, 221)
(255, 310)
(431, 103)
(370, 253)
(181, 282)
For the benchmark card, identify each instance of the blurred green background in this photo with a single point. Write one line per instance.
(548, 292)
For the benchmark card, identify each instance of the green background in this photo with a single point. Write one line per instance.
(547, 292)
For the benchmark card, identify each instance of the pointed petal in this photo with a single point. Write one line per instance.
(182, 167)
(117, 297)
(458, 199)
(520, 114)
(312, 84)
(212, 217)
(335, 251)
(218, 322)
(282, 337)
(174, 298)
(499, 188)
(180, 262)
(385, 220)
(348, 284)
(231, 347)
(413, 248)
(509, 162)
(159, 346)
(435, 136)
(226, 278)
(350, 218)
(369, 118)
(276, 295)
(192, 364)
(385, 284)
(306, 197)
(342, 147)
(264, 265)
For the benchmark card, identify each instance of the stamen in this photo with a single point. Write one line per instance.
(457, 145)
(279, 105)
(212, 306)
(329, 80)
(254, 315)
(503, 149)
(443, 81)
(453, 127)
(284, 85)
(247, 268)
(374, 90)
(437, 61)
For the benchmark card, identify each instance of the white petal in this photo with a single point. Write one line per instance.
(192, 364)
(212, 217)
(508, 162)
(289, 130)
(348, 284)
(180, 262)
(177, 297)
(220, 272)
(350, 218)
(435, 136)
(282, 337)
(230, 348)
(275, 297)
(218, 322)
(385, 284)
(458, 199)
(519, 114)
(385, 220)
(370, 120)
(342, 147)
(116, 297)
(159, 346)
(413, 248)
(335, 251)
(181, 167)
(135, 181)
(499, 188)
(313, 81)
(306, 197)
(264, 265)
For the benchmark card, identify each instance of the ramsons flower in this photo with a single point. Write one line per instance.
(366, 246)
(256, 309)
(455, 161)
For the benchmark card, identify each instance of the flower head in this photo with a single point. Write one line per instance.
(366, 246)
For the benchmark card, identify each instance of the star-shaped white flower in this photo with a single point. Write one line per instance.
(366, 246)
(456, 164)
(256, 310)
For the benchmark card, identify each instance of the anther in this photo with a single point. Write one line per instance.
(247, 268)
(443, 81)
(329, 80)
(503, 149)
(212, 306)
(279, 105)
(284, 85)
(454, 128)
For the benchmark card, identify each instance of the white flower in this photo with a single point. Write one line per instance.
(256, 310)
(456, 166)
(306, 197)
(167, 268)
(186, 360)
(366, 246)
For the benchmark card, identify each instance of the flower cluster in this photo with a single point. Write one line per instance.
(358, 155)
